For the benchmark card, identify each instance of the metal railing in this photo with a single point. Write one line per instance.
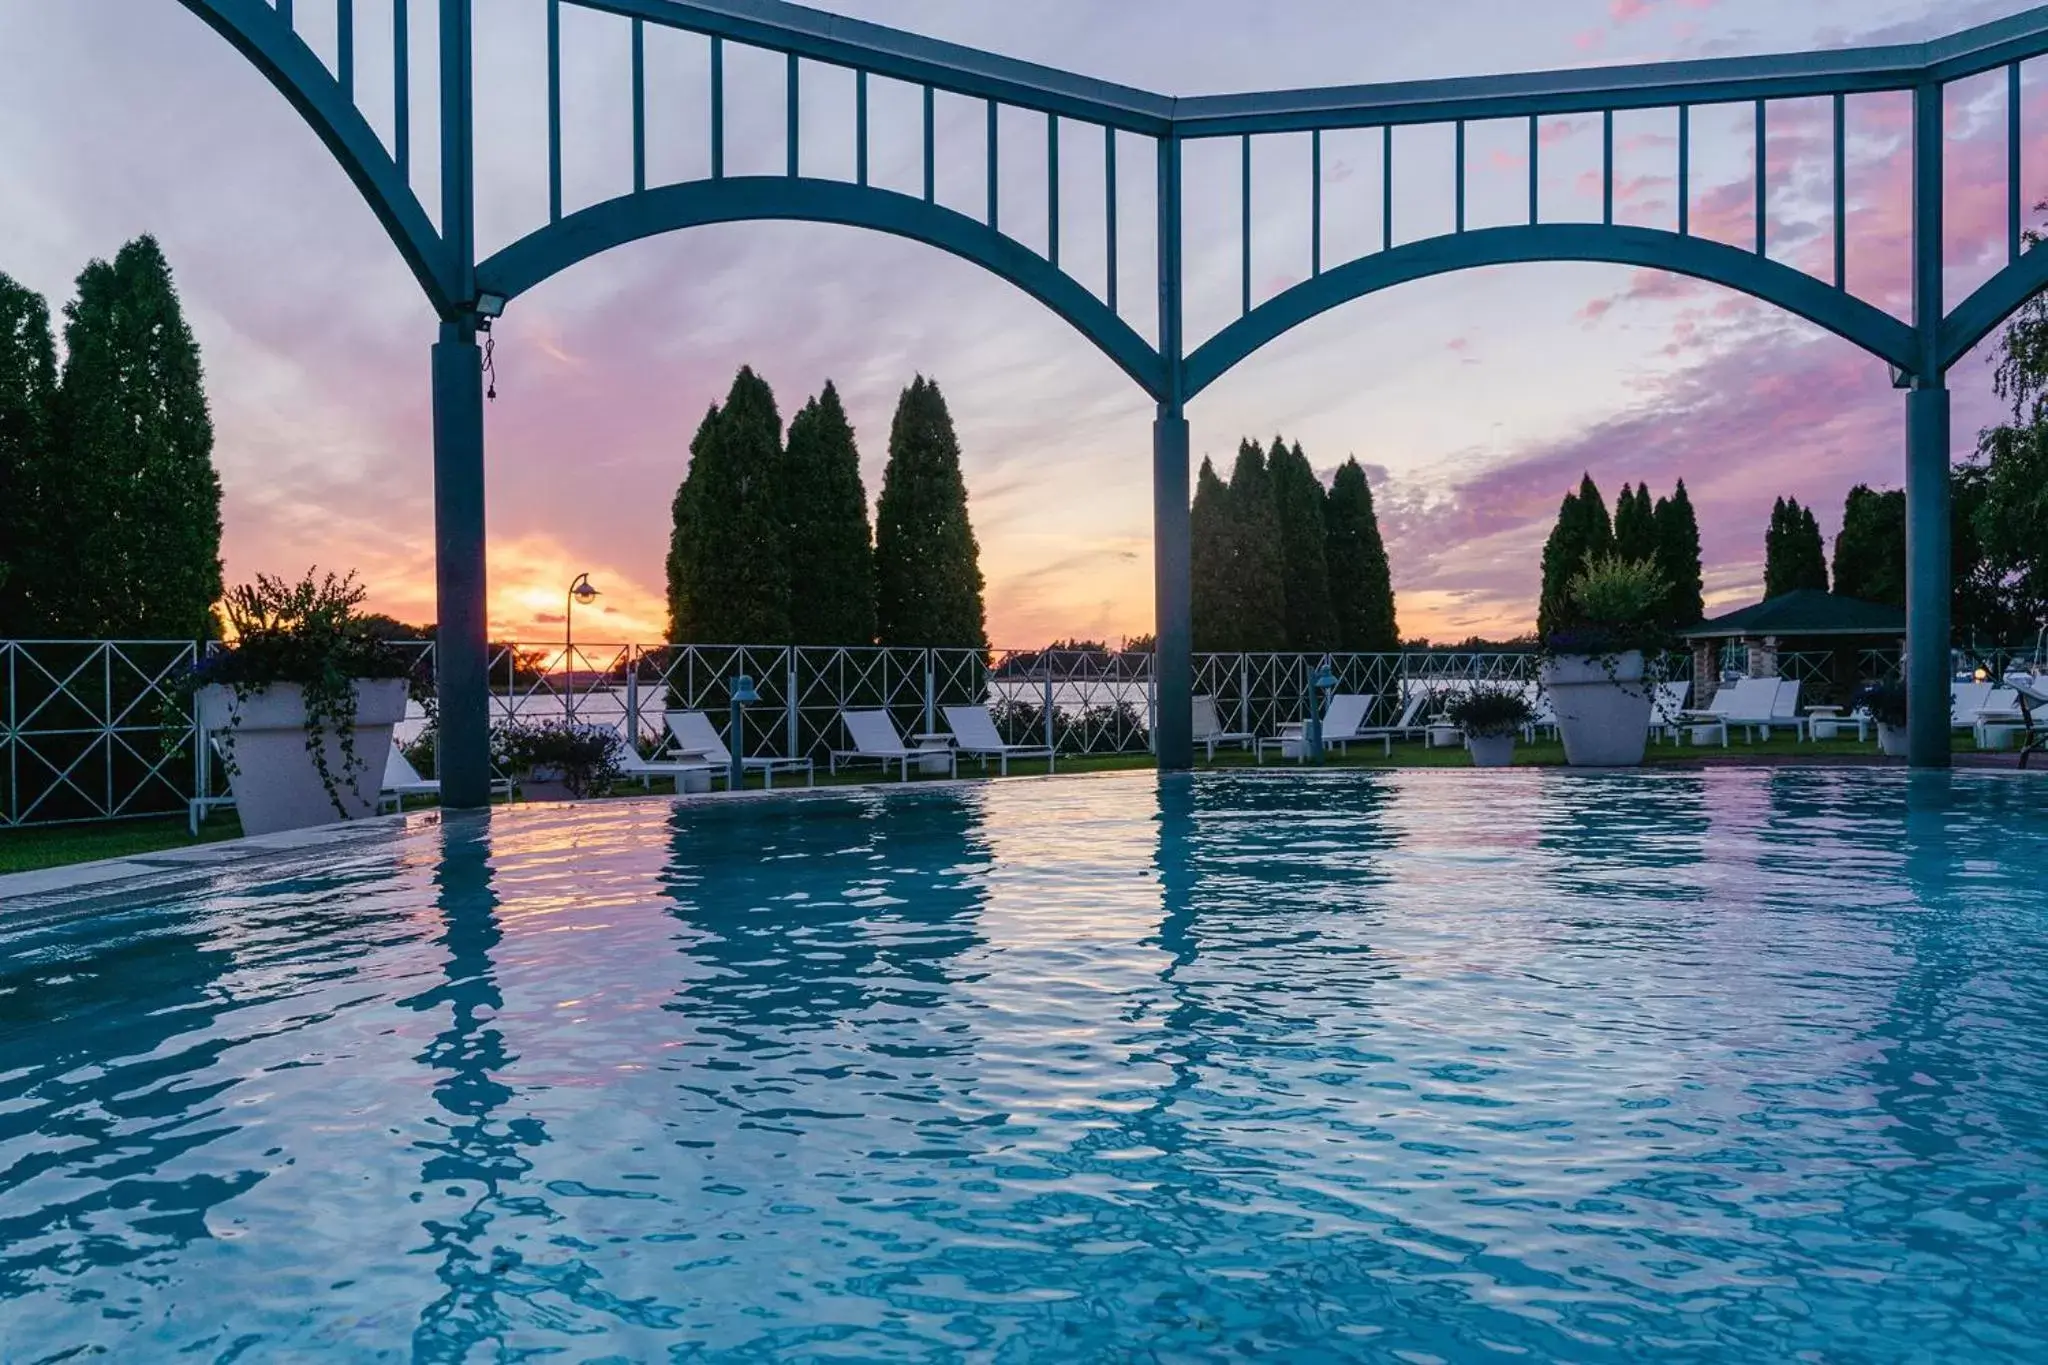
(101, 730)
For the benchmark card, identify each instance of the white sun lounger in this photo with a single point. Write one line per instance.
(1343, 724)
(696, 738)
(875, 741)
(975, 736)
(1734, 704)
(1209, 731)
(1667, 709)
(631, 765)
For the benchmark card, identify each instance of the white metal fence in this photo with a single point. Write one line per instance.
(99, 729)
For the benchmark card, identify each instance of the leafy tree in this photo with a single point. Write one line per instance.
(1361, 584)
(28, 387)
(733, 522)
(682, 621)
(831, 550)
(1212, 539)
(928, 579)
(2011, 517)
(1678, 558)
(1298, 500)
(1259, 565)
(1582, 532)
(1870, 553)
(1635, 524)
(1794, 556)
(138, 494)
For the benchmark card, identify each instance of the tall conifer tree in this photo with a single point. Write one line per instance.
(1212, 537)
(928, 583)
(1260, 578)
(1635, 524)
(733, 525)
(1298, 505)
(139, 489)
(1582, 529)
(682, 620)
(831, 549)
(28, 387)
(1794, 556)
(1678, 558)
(1361, 584)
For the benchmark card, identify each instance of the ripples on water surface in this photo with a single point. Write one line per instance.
(1736, 1066)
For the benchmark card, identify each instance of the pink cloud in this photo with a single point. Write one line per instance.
(1627, 11)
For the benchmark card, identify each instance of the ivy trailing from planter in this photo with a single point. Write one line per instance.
(309, 634)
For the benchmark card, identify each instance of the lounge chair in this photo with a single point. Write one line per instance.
(1734, 704)
(1410, 724)
(1965, 700)
(2001, 709)
(975, 736)
(631, 765)
(401, 780)
(1343, 724)
(875, 741)
(1209, 730)
(694, 737)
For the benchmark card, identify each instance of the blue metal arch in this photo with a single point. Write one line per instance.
(270, 45)
(591, 231)
(1843, 314)
(1997, 299)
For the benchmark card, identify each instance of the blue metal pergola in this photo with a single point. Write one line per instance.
(466, 291)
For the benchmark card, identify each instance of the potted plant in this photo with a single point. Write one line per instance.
(1491, 716)
(1886, 703)
(302, 700)
(557, 760)
(1593, 668)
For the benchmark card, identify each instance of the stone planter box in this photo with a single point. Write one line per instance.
(276, 784)
(1603, 713)
(1492, 751)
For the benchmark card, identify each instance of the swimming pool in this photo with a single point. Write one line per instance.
(1736, 1065)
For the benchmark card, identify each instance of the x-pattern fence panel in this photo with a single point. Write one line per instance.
(94, 730)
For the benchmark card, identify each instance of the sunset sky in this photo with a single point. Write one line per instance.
(1475, 400)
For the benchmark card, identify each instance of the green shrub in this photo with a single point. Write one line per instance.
(1488, 711)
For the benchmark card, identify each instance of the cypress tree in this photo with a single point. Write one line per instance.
(1260, 568)
(1582, 529)
(1870, 553)
(28, 387)
(1678, 558)
(831, 549)
(1794, 556)
(927, 565)
(1298, 500)
(682, 623)
(1212, 599)
(1635, 524)
(733, 522)
(136, 445)
(1361, 584)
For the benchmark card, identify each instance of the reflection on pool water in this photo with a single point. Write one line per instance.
(1733, 1066)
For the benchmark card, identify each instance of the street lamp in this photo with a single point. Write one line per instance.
(1320, 687)
(579, 591)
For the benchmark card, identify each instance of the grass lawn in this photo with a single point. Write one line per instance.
(32, 849)
(41, 846)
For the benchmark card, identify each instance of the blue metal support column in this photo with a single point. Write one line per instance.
(462, 648)
(1173, 741)
(1927, 575)
(1927, 457)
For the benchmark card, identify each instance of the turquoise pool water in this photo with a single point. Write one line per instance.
(1734, 1066)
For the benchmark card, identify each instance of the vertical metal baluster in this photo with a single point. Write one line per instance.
(1109, 209)
(1387, 187)
(401, 89)
(993, 143)
(1684, 170)
(1607, 167)
(1460, 161)
(1841, 141)
(795, 116)
(931, 172)
(718, 110)
(1762, 180)
(2013, 145)
(554, 111)
(1245, 200)
(345, 46)
(1052, 188)
(1533, 135)
(639, 106)
(1315, 202)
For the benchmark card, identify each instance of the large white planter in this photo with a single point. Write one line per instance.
(1492, 751)
(1602, 712)
(275, 782)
